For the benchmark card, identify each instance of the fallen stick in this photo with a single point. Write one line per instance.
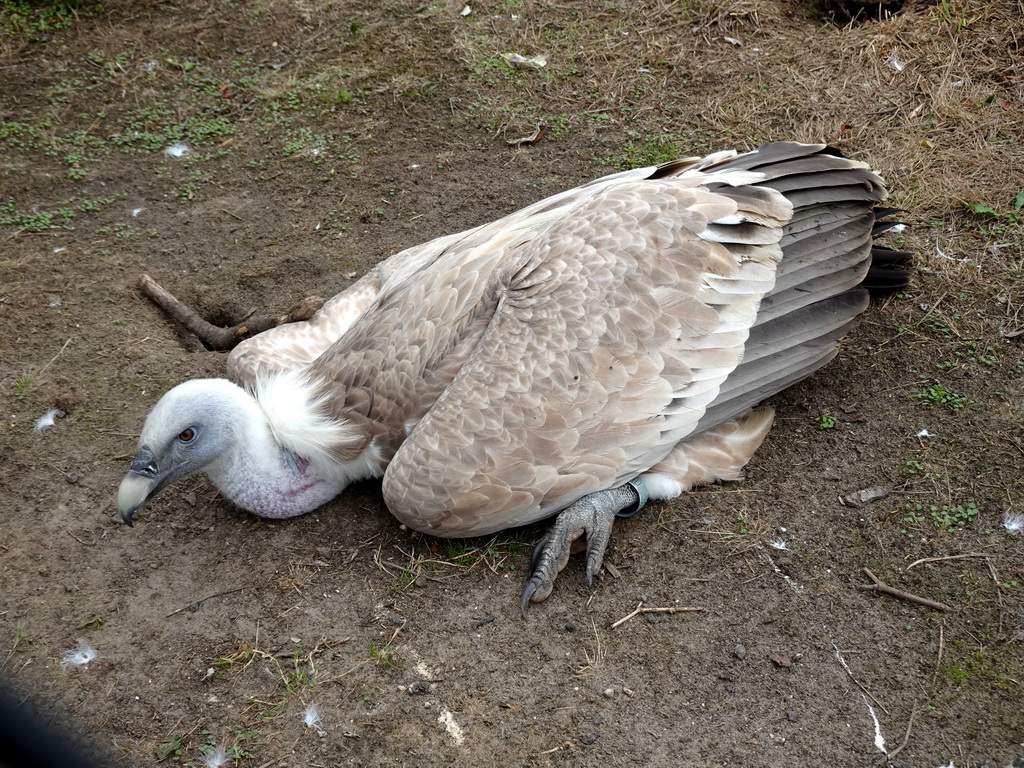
(938, 661)
(640, 609)
(906, 737)
(215, 337)
(947, 557)
(881, 586)
(194, 606)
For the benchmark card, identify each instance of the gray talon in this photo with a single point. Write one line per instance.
(592, 515)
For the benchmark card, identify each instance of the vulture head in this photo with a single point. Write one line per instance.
(192, 429)
(272, 449)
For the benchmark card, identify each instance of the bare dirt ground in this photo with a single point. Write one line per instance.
(324, 136)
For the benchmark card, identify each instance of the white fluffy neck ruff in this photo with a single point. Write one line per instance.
(300, 420)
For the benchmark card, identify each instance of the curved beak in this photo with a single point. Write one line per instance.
(144, 481)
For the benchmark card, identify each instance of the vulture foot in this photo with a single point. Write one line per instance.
(593, 515)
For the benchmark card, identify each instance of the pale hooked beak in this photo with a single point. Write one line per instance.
(143, 481)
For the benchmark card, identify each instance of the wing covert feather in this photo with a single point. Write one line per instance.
(613, 336)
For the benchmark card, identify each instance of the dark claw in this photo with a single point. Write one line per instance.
(531, 587)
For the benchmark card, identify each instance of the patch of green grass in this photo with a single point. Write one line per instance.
(658, 150)
(494, 552)
(121, 229)
(913, 467)
(151, 129)
(983, 355)
(15, 135)
(954, 673)
(386, 657)
(825, 421)
(21, 637)
(1000, 223)
(971, 352)
(22, 383)
(340, 96)
(406, 580)
(303, 140)
(237, 751)
(187, 192)
(971, 665)
(939, 327)
(945, 517)
(300, 677)
(40, 221)
(952, 16)
(169, 747)
(241, 656)
(940, 394)
(19, 17)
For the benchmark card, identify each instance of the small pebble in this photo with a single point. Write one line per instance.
(792, 716)
(588, 738)
(609, 692)
(71, 477)
(740, 652)
(570, 627)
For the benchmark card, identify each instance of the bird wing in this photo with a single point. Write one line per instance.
(297, 345)
(615, 329)
(294, 345)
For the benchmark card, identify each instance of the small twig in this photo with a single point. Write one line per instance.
(640, 609)
(999, 591)
(215, 337)
(194, 605)
(59, 352)
(83, 543)
(881, 586)
(992, 573)
(938, 660)
(947, 557)
(906, 738)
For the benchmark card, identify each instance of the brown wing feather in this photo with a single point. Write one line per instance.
(611, 338)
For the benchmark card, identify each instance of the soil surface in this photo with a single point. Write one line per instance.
(321, 137)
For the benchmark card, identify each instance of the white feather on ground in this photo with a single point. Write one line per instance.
(1013, 522)
(215, 759)
(48, 419)
(311, 717)
(80, 657)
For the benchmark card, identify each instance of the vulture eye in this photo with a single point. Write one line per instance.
(187, 436)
